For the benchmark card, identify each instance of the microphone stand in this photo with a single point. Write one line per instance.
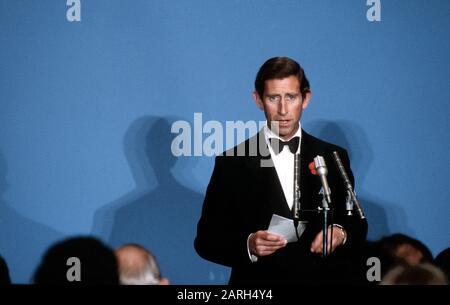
(324, 209)
(352, 201)
(296, 198)
(322, 171)
(356, 204)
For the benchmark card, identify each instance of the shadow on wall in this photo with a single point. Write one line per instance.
(22, 240)
(352, 137)
(160, 213)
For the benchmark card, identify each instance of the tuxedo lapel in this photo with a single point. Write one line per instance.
(271, 191)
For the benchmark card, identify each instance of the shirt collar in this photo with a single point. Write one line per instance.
(268, 133)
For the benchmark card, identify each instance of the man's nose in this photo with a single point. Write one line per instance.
(282, 107)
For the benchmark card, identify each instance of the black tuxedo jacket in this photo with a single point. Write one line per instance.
(241, 198)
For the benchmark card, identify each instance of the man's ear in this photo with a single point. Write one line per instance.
(258, 100)
(306, 99)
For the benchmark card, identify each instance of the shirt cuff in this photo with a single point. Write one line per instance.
(344, 233)
(253, 258)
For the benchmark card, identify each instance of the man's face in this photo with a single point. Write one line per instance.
(282, 104)
(409, 253)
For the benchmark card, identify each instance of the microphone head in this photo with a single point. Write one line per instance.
(321, 167)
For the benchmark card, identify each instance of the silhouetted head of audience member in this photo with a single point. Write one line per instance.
(442, 260)
(137, 266)
(418, 274)
(4, 273)
(406, 249)
(79, 260)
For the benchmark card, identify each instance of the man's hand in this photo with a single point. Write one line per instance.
(263, 243)
(339, 236)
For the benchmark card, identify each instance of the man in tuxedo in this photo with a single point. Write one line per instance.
(247, 188)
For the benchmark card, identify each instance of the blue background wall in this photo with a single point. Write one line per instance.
(86, 109)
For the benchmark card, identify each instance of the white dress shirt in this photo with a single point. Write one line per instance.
(284, 166)
(284, 163)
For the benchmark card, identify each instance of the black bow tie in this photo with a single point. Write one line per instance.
(278, 145)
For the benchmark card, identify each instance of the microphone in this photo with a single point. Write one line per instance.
(322, 171)
(296, 186)
(348, 184)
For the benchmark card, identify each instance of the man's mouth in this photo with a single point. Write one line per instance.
(283, 123)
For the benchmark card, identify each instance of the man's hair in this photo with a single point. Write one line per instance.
(392, 242)
(4, 272)
(279, 68)
(442, 260)
(140, 268)
(98, 263)
(421, 274)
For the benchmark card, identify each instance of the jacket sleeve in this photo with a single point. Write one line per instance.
(220, 238)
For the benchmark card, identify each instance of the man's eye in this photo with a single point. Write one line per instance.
(290, 97)
(273, 98)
